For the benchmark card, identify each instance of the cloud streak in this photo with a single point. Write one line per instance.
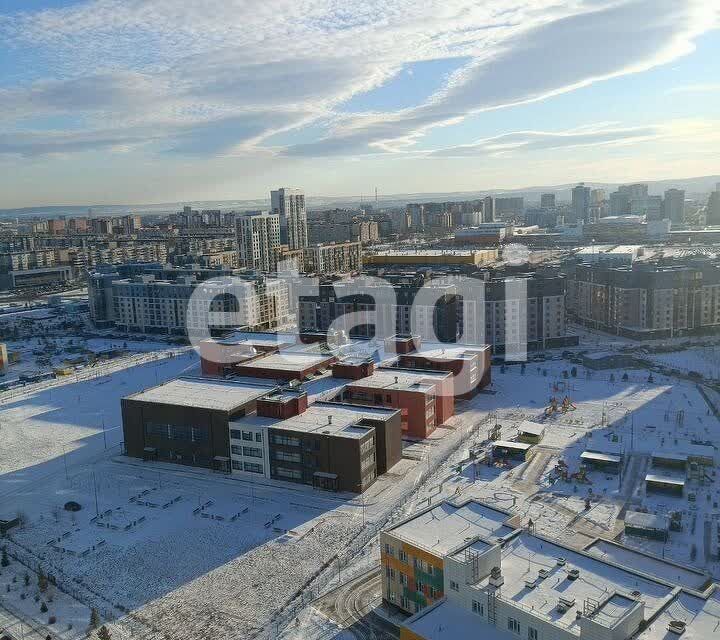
(225, 75)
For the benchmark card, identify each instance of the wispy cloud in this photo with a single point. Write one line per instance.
(224, 75)
(709, 87)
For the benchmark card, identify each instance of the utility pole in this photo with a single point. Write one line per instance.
(97, 507)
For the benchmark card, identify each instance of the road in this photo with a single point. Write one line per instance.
(351, 606)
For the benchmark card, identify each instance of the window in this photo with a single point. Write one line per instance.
(419, 587)
(454, 585)
(433, 593)
(236, 434)
(287, 441)
(403, 557)
(247, 435)
(236, 449)
(389, 550)
(253, 467)
(478, 608)
(286, 456)
(258, 437)
(403, 579)
(513, 625)
(390, 573)
(237, 465)
(292, 474)
(532, 634)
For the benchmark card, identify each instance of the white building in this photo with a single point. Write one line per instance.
(289, 204)
(258, 233)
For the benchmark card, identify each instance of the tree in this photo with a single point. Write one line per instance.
(573, 372)
(625, 377)
(42, 580)
(502, 368)
(522, 369)
(565, 374)
(4, 560)
(651, 379)
(612, 377)
(43, 607)
(94, 619)
(103, 633)
(26, 578)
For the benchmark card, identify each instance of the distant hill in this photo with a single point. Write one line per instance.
(695, 187)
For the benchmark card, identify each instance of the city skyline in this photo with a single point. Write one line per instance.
(109, 102)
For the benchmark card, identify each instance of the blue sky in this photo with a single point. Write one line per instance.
(108, 101)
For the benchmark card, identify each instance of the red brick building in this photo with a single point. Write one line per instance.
(425, 398)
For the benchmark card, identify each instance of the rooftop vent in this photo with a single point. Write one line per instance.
(573, 574)
(496, 577)
(676, 626)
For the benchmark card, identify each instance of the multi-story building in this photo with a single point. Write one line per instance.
(463, 571)
(339, 257)
(712, 217)
(510, 312)
(580, 206)
(258, 234)
(178, 300)
(648, 299)
(401, 314)
(38, 267)
(261, 429)
(289, 205)
(547, 200)
(674, 206)
(508, 208)
(425, 398)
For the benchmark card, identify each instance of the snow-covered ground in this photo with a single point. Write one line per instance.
(178, 573)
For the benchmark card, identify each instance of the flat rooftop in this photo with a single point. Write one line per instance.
(401, 379)
(531, 428)
(613, 610)
(205, 393)
(288, 361)
(317, 419)
(447, 526)
(450, 352)
(701, 616)
(686, 577)
(525, 555)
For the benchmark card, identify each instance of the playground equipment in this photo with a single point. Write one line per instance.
(552, 407)
(567, 405)
(581, 475)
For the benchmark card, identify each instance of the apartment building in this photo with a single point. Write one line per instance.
(260, 429)
(463, 572)
(424, 398)
(289, 205)
(337, 257)
(508, 312)
(341, 305)
(648, 299)
(177, 300)
(258, 234)
(38, 267)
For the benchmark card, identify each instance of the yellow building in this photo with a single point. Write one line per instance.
(470, 258)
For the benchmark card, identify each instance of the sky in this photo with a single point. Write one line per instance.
(142, 101)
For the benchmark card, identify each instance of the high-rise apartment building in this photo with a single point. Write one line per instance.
(713, 208)
(547, 201)
(580, 209)
(289, 205)
(258, 233)
(674, 206)
(488, 209)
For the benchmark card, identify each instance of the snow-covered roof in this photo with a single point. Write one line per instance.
(701, 617)
(531, 428)
(507, 444)
(600, 457)
(205, 393)
(288, 361)
(446, 526)
(527, 554)
(664, 479)
(401, 379)
(647, 521)
(327, 418)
